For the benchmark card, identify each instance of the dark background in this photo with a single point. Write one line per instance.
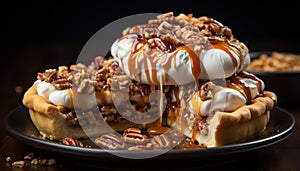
(44, 34)
(253, 22)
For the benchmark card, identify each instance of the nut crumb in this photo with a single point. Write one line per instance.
(29, 156)
(19, 89)
(8, 159)
(29, 159)
(19, 164)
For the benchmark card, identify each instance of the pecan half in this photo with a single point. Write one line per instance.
(206, 91)
(134, 136)
(72, 142)
(160, 142)
(110, 141)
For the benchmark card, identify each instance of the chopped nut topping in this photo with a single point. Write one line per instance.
(183, 29)
(168, 32)
(275, 62)
(30, 159)
(71, 118)
(206, 91)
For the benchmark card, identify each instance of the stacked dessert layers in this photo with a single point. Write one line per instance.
(197, 67)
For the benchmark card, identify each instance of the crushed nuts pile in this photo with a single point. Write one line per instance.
(30, 159)
(275, 62)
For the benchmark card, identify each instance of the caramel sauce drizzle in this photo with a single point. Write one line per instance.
(150, 62)
(236, 82)
(69, 92)
(196, 103)
(230, 49)
(176, 94)
(161, 100)
(174, 112)
(100, 95)
(166, 61)
(156, 130)
(195, 62)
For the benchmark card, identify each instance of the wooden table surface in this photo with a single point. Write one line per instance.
(25, 60)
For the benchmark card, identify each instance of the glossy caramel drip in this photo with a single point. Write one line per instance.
(101, 96)
(151, 60)
(160, 100)
(174, 110)
(237, 86)
(230, 49)
(249, 75)
(156, 130)
(176, 94)
(195, 62)
(69, 92)
(132, 65)
(236, 82)
(196, 103)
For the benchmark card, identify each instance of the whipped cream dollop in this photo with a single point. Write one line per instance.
(68, 99)
(226, 99)
(218, 64)
(238, 91)
(57, 97)
(181, 66)
(150, 66)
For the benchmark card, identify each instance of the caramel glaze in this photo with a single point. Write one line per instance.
(230, 49)
(235, 82)
(166, 60)
(201, 123)
(156, 130)
(150, 61)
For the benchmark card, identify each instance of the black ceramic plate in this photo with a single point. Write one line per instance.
(19, 125)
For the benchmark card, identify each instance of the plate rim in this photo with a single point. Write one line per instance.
(55, 147)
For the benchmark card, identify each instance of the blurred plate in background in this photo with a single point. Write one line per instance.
(282, 82)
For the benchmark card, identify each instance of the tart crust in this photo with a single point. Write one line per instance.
(226, 128)
(51, 121)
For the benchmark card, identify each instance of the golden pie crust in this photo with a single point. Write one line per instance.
(224, 127)
(231, 127)
(51, 122)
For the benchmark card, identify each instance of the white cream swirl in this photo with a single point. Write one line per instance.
(182, 66)
(226, 99)
(57, 97)
(68, 99)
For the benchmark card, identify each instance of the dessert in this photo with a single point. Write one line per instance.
(215, 101)
(61, 98)
(177, 73)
